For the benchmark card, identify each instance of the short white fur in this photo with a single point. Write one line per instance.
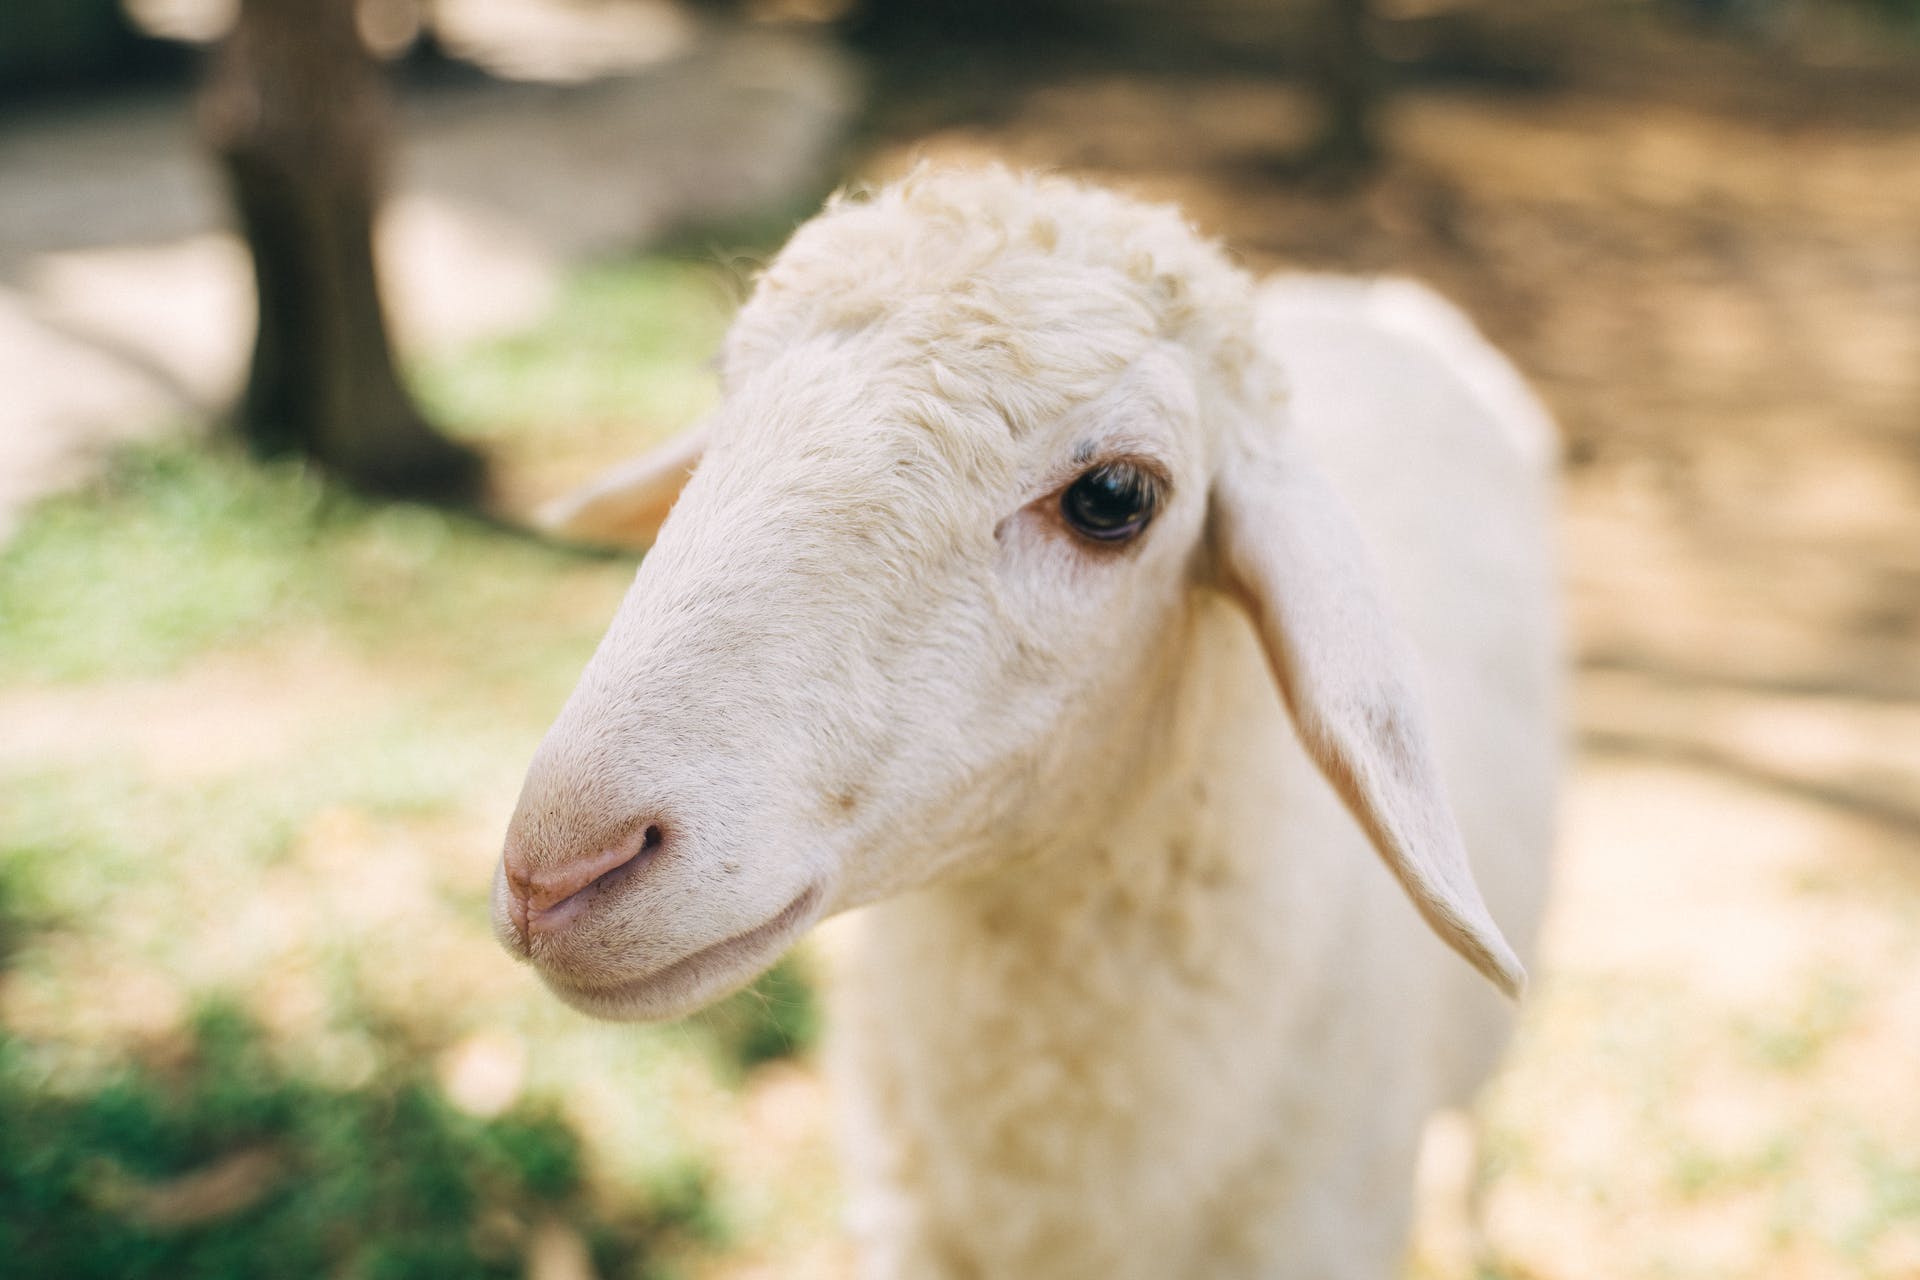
(1137, 993)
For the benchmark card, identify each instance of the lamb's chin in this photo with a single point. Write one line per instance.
(689, 984)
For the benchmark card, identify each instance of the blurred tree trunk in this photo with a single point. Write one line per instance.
(1349, 78)
(297, 111)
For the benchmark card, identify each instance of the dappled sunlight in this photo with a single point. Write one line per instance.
(260, 738)
(292, 804)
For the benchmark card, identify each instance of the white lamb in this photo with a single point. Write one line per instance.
(1042, 582)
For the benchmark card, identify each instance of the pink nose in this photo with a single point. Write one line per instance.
(548, 899)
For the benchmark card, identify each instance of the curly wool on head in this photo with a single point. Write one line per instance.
(1027, 292)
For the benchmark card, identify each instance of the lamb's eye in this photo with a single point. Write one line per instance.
(1110, 503)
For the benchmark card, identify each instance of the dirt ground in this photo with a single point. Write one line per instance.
(1708, 258)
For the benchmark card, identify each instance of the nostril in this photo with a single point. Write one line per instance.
(547, 898)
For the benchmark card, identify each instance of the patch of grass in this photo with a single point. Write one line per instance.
(230, 1165)
(15, 922)
(186, 548)
(1795, 1042)
(777, 1017)
(1698, 1171)
(189, 546)
(327, 885)
(1892, 1199)
(174, 550)
(65, 837)
(628, 342)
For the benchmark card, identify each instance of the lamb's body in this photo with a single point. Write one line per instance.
(1205, 1044)
(1005, 547)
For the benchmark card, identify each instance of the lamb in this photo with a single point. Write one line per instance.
(1080, 608)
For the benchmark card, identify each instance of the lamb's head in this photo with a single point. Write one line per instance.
(982, 438)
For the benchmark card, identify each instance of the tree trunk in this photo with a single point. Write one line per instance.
(1349, 78)
(297, 112)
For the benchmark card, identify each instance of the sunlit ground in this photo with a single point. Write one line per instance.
(261, 742)
(258, 742)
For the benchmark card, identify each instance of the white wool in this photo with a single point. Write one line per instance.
(1136, 994)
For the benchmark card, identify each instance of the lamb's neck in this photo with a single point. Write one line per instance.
(1184, 869)
(1050, 1019)
(1188, 810)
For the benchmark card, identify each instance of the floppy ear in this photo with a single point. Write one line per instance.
(626, 506)
(1291, 551)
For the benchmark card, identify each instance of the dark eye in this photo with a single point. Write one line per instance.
(1110, 503)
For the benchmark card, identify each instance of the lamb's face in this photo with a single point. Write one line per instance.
(887, 636)
(915, 611)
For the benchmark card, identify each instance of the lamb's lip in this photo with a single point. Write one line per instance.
(666, 991)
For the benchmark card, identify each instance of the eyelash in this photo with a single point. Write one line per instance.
(1111, 503)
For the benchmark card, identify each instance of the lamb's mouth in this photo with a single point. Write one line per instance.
(683, 985)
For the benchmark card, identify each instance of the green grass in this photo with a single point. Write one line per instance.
(281, 950)
(1796, 1040)
(184, 549)
(629, 342)
(1893, 1197)
(777, 1017)
(1698, 1171)
(172, 554)
(389, 1179)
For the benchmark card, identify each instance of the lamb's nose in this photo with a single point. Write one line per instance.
(546, 899)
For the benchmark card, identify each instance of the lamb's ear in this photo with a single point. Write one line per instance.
(1291, 551)
(626, 506)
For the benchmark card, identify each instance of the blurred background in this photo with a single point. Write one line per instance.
(302, 305)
